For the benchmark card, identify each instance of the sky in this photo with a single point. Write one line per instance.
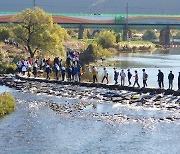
(95, 6)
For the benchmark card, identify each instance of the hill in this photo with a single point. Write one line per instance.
(95, 6)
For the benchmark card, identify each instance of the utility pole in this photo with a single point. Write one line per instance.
(125, 31)
(127, 12)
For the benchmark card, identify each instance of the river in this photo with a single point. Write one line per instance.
(35, 128)
(102, 126)
(166, 61)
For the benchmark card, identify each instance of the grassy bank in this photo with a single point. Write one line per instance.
(7, 104)
(135, 46)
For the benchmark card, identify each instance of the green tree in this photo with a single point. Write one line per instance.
(94, 52)
(177, 34)
(4, 33)
(149, 35)
(37, 32)
(118, 37)
(106, 38)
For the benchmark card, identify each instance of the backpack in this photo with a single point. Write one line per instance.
(117, 73)
(146, 75)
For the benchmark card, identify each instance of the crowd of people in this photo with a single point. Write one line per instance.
(72, 71)
(122, 75)
(11, 42)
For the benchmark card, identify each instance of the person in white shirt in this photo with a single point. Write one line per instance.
(28, 68)
(35, 68)
(57, 71)
(63, 72)
(19, 65)
(23, 69)
(145, 76)
(123, 76)
(105, 76)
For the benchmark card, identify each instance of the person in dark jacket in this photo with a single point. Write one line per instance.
(136, 79)
(116, 74)
(171, 78)
(160, 79)
(179, 81)
(129, 76)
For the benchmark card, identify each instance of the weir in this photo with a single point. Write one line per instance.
(97, 85)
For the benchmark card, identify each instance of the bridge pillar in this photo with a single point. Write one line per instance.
(164, 37)
(167, 37)
(126, 34)
(80, 33)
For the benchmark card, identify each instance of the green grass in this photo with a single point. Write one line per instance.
(7, 104)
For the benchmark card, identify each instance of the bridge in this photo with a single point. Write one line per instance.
(118, 22)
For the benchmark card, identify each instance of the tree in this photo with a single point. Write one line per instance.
(106, 38)
(4, 33)
(118, 37)
(94, 52)
(149, 35)
(37, 32)
(177, 34)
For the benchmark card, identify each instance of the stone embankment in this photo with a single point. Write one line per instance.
(118, 94)
(106, 86)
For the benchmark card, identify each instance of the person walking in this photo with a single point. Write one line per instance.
(76, 73)
(56, 69)
(80, 72)
(29, 68)
(145, 76)
(105, 76)
(23, 69)
(48, 71)
(35, 68)
(160, 79)
(116, 74)
(19, 66)
(171, 78)
(94, 73)
(129, 76)
(69, 73)
(63, 73)
(123, 76)
(179, 81)
(136, 79)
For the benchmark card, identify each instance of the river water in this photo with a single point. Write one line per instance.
(35, 128)
(166, 61)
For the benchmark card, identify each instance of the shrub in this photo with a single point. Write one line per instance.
(7, 104)
(149, 35)
(158, 46)
(8, 68)
(106, 38)
(118, 37)
(94, 52)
